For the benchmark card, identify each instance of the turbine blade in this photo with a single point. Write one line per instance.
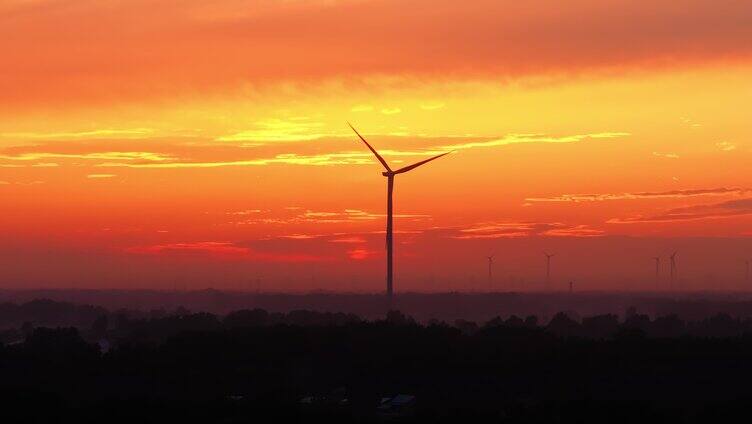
(378, 156)
(415, 165)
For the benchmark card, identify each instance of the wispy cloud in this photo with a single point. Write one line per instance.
(360, 254)
(668, 155)
(100, 176)
(727, 209)
(326, 159)
(245, 212)
(128, 133)
(147, 159)
(726, 146)
(349, 240)
(496, 230)
(432, 106)
(330, 217)
(289, 217)
(599, 197)
(533, 138)
(575, 231)
(299, 236)
(222, 249)
(391, 110)
(22, 183)
(281, 130)
(213, 247)
(349, 157)
(356, 215)
(115, 156)
(690, 122)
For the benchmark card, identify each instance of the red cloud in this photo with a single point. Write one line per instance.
(360, 254)
(222, 250)
(498, 230)
(731, 208)
(205, 247)
(207, 46)
(354, 240)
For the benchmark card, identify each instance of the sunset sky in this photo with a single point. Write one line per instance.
(191, 144)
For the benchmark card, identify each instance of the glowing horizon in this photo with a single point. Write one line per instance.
(182, 140)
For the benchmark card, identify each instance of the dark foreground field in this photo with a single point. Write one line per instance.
(254, 366)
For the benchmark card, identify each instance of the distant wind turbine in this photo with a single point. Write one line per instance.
(673, 270)
(657, 270)
(389, 174)
(548, 268)
(490, 275)
(746, 274)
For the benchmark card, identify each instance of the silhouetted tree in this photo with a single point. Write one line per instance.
(466, 327)
(514, 321)
(636, 321)
(247, 318)
(59, 345)
(398, 318)
(600, 326)
(99, 327)
(531, 321)
(563, 326)
(667, 326)
(27, 328)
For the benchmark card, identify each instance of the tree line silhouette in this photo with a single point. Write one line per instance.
(447, 306)
(18, 320)
(251, 364)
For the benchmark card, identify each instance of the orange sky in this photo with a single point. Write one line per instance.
(191, 144)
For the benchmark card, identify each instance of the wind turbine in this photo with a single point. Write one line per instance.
(746, 274)
(548, 268)
(389, 174)
(673, 270)
(490, 276)
(657, 270)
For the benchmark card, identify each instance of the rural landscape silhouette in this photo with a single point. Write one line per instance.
(192, 220)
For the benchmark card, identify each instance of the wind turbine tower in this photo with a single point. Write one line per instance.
(548, 269)
(657, 270)
(490, 275)
(673, 270)
(390, 174)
